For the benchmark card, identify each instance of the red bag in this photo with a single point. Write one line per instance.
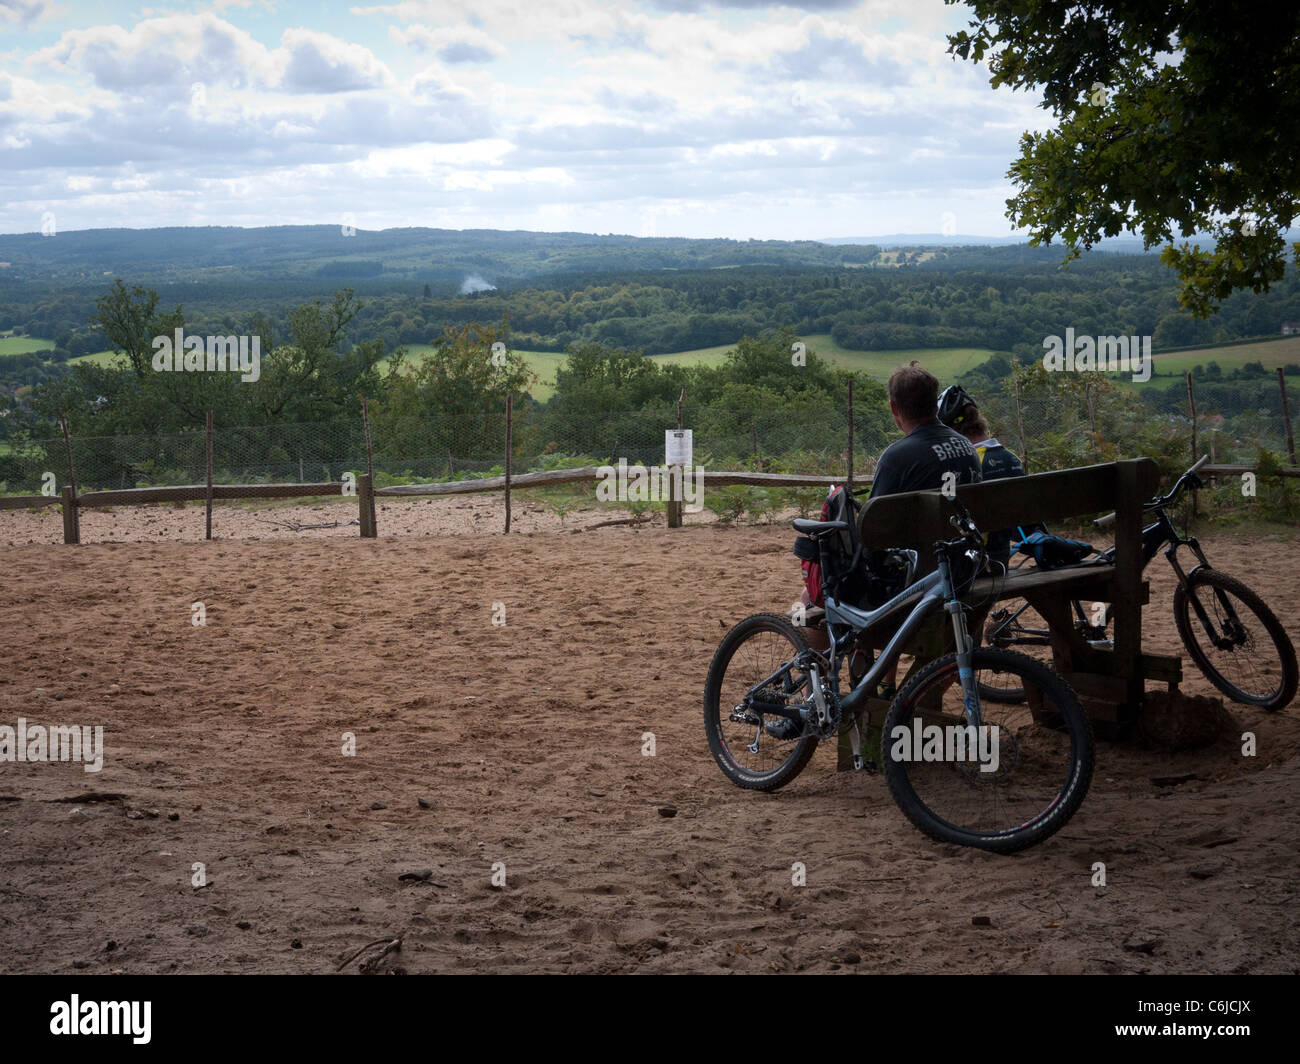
(812, 571)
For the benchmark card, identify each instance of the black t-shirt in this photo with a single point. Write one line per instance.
(919, 460)
(917, 463)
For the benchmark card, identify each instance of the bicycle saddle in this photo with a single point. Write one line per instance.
(816, 528)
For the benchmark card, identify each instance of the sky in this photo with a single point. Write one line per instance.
(696, 118)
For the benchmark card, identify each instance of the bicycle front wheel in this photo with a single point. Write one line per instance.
(1005, 785)
(1245, 652)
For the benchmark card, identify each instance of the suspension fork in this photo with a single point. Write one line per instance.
(1184, 580)
(965, 647)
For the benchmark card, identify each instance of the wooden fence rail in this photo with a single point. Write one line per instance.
(193, 492)
(366, 492)
(550, 477)
(27, 502)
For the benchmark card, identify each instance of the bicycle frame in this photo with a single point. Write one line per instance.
(1160, 533)
(845, 624)
(1156, 535)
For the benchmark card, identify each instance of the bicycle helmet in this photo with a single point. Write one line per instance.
(953, 402)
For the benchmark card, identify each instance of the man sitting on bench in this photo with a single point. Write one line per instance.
(929, 449)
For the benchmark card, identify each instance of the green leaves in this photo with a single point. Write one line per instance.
(1181, 119)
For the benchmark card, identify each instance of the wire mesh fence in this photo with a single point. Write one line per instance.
(1232, 424)
(1235, 423)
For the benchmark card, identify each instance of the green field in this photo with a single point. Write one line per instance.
(1272, 353)
(18, 345)
(944, 362)
(543, 363)
(99, 358)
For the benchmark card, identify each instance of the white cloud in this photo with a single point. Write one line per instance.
(318, 62)
(453, 44)
(753, 117)
(175, 50)
(27, 12)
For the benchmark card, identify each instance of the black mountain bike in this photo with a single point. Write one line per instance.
(1234, 638)
(994, 777)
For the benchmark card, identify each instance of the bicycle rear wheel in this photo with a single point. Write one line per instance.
(1246, 653)
(750, 670)
(1014, 624)
(1006, 786)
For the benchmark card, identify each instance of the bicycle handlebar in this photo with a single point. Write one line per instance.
(1161, 501)
(1181, 486)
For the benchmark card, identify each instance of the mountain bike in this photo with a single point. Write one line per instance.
(770, 698)
(1233, 637)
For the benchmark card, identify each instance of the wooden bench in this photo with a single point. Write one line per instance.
(1110, 682)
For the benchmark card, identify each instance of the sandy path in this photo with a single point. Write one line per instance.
(525, 739)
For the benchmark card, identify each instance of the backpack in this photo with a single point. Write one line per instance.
(860, 578)
(1053, 552)
(839, 506)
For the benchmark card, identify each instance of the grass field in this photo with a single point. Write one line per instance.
(944, 362)
(543, 363)
(98, 358)
(1272, 353)
(18, 345)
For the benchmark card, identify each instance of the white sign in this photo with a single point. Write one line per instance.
(677, 447)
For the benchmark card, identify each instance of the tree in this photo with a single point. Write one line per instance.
(1171, 116)
(130, 321)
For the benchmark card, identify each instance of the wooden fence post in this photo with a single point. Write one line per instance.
(1020, 427)
(848, 480)
(71, 533)
(1092, 418)
(209, 466)
(370, 465)
(1191, 402)
(1286, 415)
(366, 495)
(72, 479)
(510, 407)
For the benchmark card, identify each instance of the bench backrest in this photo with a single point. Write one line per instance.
(916, 519)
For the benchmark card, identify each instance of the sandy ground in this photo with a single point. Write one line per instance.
(522, 744)
(450, 515)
